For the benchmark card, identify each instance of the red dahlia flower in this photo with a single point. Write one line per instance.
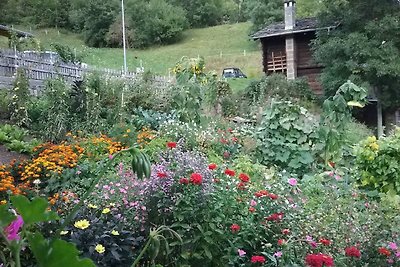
(285, 231)
(261, 193)
(244, 177)
(255, 259)
(318, 260)
(241, 186)
(183, 181)
(196, 178)
(281, 242)
(325, 242)
(230, 172)
(275, 217)
(384, 251)
(161, 175)
(235, 228)
(171, 145)
(273, 196)
(352, 252)
(212, 166)
(252, 209)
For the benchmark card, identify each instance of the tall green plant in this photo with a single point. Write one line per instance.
(336, 118)
(20, 99)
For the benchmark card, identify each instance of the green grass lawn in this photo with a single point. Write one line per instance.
(221, 46)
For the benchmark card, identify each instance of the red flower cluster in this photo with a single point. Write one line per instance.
(196, 178)
(230, 172)
(244, 177)
(161, 175)
(212, 166)
(384, 251)
(325, 242)
(262, 193)
(285, 231)
(255, 259)
(318, 260)
(352, 252)
(171, 145)
(273, 196)
(275, 217)
(252, 209)
(183, 181)
(241, 186)
(235, 228)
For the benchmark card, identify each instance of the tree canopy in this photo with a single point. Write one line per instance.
(364, 47)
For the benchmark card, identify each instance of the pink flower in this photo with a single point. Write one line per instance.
(292, 181)
(241, 252)
(338, 177)
(12, 230)
(278, 254)
(392, 245)
(309, 238)
(398, 254)
(253, 203)
(313, 244)
(110, 156)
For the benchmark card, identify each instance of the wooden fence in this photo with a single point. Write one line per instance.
(41, 67)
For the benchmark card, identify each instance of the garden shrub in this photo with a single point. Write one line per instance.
(378, 163)
(20, 99)
(287, 137)
(276, 86)
(5, 101)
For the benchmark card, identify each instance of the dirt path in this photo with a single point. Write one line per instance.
(7, 156)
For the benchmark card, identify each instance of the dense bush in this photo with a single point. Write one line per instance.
(287, 137)
(378, 164)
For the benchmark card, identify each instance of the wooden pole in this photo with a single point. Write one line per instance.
(379, 118)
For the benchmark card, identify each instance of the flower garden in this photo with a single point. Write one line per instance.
(285, 189)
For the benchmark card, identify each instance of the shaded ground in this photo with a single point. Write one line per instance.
(7, 156)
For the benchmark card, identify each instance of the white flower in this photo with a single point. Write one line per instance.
(37, 182)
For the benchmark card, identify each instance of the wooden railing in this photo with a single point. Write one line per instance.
(277, 62)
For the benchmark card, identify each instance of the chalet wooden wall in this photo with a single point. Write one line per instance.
(273, 46)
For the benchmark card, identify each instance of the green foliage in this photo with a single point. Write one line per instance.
(276, 85)
(52, 253)
(33, 211)
(336, 116)
(364, 48)
(67, 54)
(20, 98)
(287, 137)
(264, 12)
(5, 104)
(378, 164)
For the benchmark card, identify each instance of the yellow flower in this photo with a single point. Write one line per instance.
(114, 232)
(63, 232)
(371, 139)
(82, 224)
(106, 210)
(100, 248)
(355, 104)
(374, 146)
(128, 130)
(92, 206)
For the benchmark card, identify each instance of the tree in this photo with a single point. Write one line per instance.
(364, 47)
(264, 12)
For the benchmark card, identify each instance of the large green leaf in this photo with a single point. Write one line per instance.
(6, 217)
(33, 211)
(56, 253)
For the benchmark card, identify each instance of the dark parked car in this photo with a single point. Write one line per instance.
(233, 73)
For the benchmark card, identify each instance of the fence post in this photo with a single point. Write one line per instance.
(220, 54)
(244, 52)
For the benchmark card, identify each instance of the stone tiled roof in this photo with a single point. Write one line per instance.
(5, 31)
(278, 29)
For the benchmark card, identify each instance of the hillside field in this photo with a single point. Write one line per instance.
(221, 46)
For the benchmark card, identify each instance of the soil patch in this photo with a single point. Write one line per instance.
(7, 156)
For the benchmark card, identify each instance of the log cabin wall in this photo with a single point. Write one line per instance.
(306, 66)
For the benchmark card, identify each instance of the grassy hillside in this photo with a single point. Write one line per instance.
(221, 46)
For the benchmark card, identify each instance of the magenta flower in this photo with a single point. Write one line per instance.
(241, 252)
(253, 203)
(278, 254)
(393, 245)
(12, 230)
(292, 181)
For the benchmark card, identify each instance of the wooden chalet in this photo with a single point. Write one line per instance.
(286, 47)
